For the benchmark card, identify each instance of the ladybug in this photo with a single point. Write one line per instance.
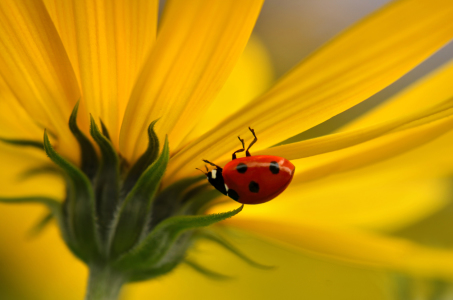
(251, 179)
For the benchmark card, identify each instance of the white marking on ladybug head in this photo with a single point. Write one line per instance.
(226, 187)
(214, 173)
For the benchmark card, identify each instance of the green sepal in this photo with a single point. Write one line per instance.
(53, 205)
(40, 225)
(89, 159)
(105, 131)
(172, 258)
(55, 208)
(221, 241)
(144, 161)
(177, 192)
(151, 250)
(79, 207)
(132, 215)
(44, 169)
(206, 272)
(23, 143)
(107, 182)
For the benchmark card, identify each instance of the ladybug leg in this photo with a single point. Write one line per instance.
(247, 153)
(212, 164)
(240, 150)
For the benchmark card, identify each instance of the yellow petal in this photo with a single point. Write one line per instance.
(107, 42)
(62, 14)
(251, 76)
(197, 46)
(422, 95)
(381, 201)
(354, 246)
(36, 68)
(315, 167)
(375, 130)
(15, 122)
(346, 71)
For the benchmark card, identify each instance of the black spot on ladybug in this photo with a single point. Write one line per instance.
(254, 187)
(233, 195)
(241, 168)
(274, 167)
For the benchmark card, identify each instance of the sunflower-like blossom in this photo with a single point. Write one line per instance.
(128, 112)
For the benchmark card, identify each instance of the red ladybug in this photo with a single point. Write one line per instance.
(252, 179)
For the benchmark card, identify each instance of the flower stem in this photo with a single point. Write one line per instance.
(103, 283)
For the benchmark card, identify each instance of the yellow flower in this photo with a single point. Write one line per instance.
(54, 53)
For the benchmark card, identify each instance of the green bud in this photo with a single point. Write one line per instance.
(116, 217)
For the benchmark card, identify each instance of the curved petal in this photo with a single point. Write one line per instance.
(107, 42)
(62, 14)
(436, 87)
(316, 167)
(382, 201)
(354, 246)
(347, 139)
(35, 66)
(332, 80)
(251, 76)
(405, 107)
(378, 205)
(15, 122)
(197, 46)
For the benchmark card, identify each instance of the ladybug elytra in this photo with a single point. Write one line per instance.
(252, 179)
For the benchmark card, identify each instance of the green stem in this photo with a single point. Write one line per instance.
(103, 284)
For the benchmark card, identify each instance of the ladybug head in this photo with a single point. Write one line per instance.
(215, 178)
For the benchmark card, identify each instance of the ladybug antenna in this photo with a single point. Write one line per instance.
(212, 164)
(247, 153)
(202, 171)
(207, 170)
